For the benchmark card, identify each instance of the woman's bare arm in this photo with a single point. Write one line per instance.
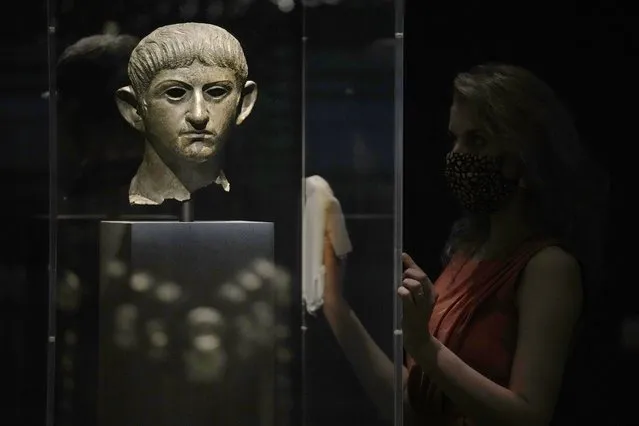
(373, 368)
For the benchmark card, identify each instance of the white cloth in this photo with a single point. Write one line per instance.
(322, 214)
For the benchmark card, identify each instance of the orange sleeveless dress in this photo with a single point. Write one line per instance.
(476, 318)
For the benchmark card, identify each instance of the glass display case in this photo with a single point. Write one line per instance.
(204, 156)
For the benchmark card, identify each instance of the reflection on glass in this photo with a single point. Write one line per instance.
(163, 336)
(168, 292)
(69, 291)
(126, 317)
(141, 281)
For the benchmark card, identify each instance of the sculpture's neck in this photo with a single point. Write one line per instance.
(155, 181)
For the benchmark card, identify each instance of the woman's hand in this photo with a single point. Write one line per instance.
(418, 298)
(332, 274)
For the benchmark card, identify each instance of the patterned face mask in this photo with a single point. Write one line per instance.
(477, 181)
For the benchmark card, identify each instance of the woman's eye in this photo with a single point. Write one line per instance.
(175, 93)
(478, 141)
(217, 91)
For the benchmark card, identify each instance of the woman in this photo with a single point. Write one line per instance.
(487, 342)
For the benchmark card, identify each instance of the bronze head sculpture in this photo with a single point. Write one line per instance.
(189, 89)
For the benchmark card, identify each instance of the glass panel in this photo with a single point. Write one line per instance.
(23, 222)
(175, 312)
(352, 212)
(47, 266)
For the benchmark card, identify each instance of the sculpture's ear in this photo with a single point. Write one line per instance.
(128, 105)
(249, 96)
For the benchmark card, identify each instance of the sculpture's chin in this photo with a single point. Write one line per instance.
(198, 152)
(200, 148)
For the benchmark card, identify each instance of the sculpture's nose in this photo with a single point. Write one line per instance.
(197, 114)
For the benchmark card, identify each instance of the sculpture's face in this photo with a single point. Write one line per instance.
(190, 111)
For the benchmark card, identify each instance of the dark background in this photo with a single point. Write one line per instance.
(588, 54)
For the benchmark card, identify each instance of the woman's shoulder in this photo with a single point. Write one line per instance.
(552, 270)
(553, 258)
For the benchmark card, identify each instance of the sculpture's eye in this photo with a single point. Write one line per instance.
(175, 93)
(217, 91)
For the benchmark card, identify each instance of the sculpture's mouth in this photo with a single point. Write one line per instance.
(198, 144)
(198, 136)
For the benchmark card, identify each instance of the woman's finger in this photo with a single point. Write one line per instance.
(416, 274)
(404, 293)
(413, 286)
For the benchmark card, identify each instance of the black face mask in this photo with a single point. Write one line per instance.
(477, 181)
